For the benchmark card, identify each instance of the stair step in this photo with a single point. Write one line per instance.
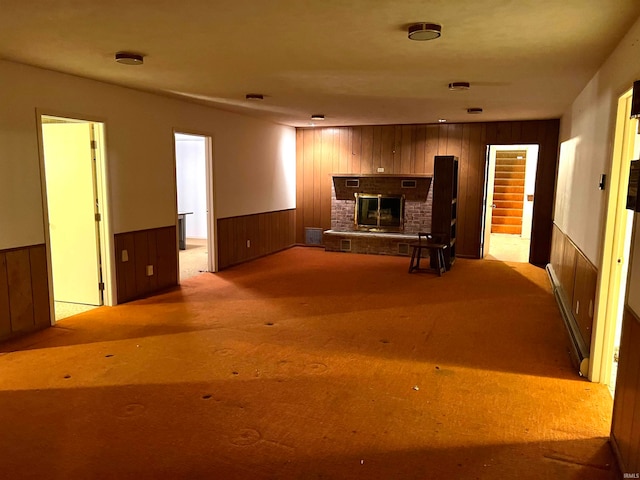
(498, 220)
(508, 203)
(510, 175)
(512, 229)
(508, 182)
(507, 212)
(508, 189)
(514, 197)
(511, 168)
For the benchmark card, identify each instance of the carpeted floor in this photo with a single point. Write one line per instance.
(309, 365)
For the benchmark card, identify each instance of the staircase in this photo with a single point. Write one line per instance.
(508, 192)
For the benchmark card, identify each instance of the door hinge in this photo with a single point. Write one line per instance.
(101, 286)
(94, 145)
(98, 217)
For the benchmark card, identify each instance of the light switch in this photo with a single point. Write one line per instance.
(125, 256)
(149, 270)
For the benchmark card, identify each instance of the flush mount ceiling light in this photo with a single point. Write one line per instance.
(459, 86)
(317, 117)
(128, 58)
(254, 96)
(474, 111)
(424, 31)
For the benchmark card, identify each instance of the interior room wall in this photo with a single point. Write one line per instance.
(254, 160)
(586, 135)
(191, 174)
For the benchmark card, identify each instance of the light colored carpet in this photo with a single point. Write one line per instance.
(508, 248)
(310, 365)
(193, 260)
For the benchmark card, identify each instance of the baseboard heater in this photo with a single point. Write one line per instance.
(578, 352)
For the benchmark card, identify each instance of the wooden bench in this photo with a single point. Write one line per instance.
(427, 241)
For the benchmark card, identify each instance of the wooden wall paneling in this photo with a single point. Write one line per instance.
(326, 169)
(626, 409)
(419, 149)
(152, 258)
(557, 245)
(584, 295)
(166, 263)
(40, 286)
(568, 271)
(376, 149)
(5, 312)
(300, 182)
(516, 130)
(405, 149)
(530, 132)
(317, 172)
(20, 291)
(454, 139)
(388, 149)
(503, 133)
(309, 182)
(491, 133)
(125, 271)
(367, 155)
(356, 150)
(473, 201)
(140, 240)
(463, 170)
(544, 194)
(344, 149)
(431, 147)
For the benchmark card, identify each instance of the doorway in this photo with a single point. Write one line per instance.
(74, 195)
(616, 249)
(194, 204)
(508, 207)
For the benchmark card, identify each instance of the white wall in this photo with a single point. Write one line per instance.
(586, 136)
(254, 160)
(191, 173)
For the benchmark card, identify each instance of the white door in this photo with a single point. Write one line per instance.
(71, 200)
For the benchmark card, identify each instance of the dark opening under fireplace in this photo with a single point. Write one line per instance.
(383, 213)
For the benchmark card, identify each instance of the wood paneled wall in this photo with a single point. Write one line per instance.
(578, 279)
(155, 247)
(409, 149)
(24, 291)
(625, 427)
(267, 233)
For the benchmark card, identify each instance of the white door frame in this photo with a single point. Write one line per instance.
(532, 152)
(615, 247)
(212, 239)
(103, 192)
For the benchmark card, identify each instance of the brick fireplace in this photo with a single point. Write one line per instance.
(346, 236)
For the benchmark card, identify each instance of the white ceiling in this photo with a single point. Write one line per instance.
(348, 59)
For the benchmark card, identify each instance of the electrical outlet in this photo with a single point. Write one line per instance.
(149, 270)
(380, 169)
(125, 256)
(248, 243)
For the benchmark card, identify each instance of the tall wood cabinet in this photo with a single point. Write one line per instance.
(444, 219)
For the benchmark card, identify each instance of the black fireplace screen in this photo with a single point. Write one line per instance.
(379, 212)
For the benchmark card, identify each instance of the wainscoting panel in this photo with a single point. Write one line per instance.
(24, 291)
(625, 428)
(408, 150)
(265, 233)
(574, 280)
(156, 247)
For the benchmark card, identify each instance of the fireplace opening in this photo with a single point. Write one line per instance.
(383, 213)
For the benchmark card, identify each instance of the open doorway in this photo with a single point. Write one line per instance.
(616, 249)
(194, 204)
(508, 206)
(74, 193)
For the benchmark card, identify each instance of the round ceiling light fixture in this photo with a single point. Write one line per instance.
(254, 96)
(474, 111)
(459, 86)
(317, 116)
(424, 31)
(128, 58)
